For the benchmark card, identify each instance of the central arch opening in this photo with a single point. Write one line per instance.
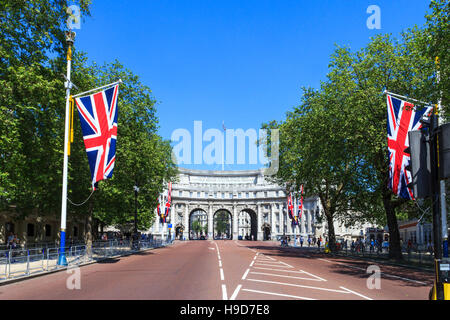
(247, 225)
(198, 225)
(222, 225)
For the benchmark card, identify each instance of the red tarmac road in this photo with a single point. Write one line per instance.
(230, 270)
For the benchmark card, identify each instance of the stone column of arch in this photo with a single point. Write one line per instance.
(281, 215)
(210, 222)
(272, 220)
(235, 222)
(186, 221)
(259, 235)
(310, 218)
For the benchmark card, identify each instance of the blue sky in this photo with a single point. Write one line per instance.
(241, 62)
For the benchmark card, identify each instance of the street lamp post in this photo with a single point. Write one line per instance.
(135, 232)
(62, 261)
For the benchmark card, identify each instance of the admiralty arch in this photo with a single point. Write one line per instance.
(232, 205)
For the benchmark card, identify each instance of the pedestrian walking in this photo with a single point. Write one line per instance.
(409, 246)
(301, 241)
(309, 242)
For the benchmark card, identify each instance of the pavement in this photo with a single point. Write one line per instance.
(228, 270)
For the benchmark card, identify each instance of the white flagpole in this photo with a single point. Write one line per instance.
(62, 261)
(95, 89)
(406, 98)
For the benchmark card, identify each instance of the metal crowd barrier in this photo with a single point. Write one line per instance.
(16, 263)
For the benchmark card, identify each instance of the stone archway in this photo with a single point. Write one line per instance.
(222, 225)
(179, 228)
(198, 224)
(247, 224)
(265, 228)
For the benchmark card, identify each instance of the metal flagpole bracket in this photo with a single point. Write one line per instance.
(69, 84)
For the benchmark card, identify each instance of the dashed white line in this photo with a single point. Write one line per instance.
(245, 274)
(224, 292)
(221, 275)
(251, 264)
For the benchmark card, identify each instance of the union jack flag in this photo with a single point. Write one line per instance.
(290, 207)
(402, 117)
(98, 117)
(300, 206)
(164, 216)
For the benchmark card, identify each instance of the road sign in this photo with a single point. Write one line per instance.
(170, 226)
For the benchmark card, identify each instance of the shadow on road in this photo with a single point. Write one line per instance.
(352, 266)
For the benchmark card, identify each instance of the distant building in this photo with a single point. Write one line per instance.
(257, 208)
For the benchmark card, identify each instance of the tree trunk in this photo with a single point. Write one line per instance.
(395, 250)
(331, 234)
(88, 234)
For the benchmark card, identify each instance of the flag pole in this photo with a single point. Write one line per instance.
(99, 88)
(406, 98)
(442, 182)
(62, 261)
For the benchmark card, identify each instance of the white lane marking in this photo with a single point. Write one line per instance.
(312, 275)
(382, 273)
(264, 259)
(298, 285)
(224, 292)
(284, 276)
(251, 264)
(272, 265)
(278, 294)
(211, 248)
(245, 274)
(235, 293)
(221, 275)
(358, 294)
(285, 264)
(325, 260)
(279, 270)
(220, 263)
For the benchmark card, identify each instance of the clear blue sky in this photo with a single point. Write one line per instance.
(241, 62)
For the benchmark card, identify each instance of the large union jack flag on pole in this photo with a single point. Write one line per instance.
(402, 117)
(300, 206)
(290, 206)
(98, 117)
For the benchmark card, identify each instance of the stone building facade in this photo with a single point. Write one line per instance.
(239, 193)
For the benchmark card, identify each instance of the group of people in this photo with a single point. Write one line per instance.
(13, 241)
(360, 245)
(285, 240)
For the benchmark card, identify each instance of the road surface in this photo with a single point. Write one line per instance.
(226, 270)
